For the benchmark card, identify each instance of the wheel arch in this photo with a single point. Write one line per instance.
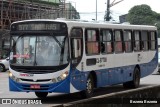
(137, 66)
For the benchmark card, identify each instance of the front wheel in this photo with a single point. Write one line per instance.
(41, 94)
(89, 87)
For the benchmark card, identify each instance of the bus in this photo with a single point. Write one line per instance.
(68, 56)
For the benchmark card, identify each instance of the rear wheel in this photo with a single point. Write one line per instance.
(41, 94)
(89, 87)
(136, 80)
(2, 68)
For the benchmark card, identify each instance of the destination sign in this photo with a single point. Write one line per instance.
(35, 26)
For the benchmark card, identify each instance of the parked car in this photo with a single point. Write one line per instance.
(4, 64)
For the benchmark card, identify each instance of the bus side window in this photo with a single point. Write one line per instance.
(118, 41)
(76, 44)
(136, 40)
(92, 41)
(106, 41)
(152, 40)
(144, 40)
(127, 36)
(76, 48)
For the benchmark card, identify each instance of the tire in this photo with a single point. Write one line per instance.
(2, 68)
(136, 80)
(89, 88)
(41, 94)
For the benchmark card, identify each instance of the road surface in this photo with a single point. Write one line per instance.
(56, 98)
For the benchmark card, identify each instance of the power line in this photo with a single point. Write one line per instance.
(89, 12)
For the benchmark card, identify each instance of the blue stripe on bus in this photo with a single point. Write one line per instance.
(113, 76)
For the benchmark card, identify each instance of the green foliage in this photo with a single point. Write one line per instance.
(143, 15)
(158, 27)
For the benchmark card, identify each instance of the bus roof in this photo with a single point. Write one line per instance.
(94, 24)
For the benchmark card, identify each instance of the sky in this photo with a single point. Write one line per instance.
(87, 8)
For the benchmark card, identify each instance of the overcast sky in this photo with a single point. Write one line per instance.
(87, 8)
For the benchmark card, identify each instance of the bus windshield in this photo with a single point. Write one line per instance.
(43, 50)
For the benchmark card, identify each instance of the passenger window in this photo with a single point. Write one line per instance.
(92, 42)
(144, 38)
(153, 40)
(107, 43)
(137, 40)
(127, 35)
(118, 41)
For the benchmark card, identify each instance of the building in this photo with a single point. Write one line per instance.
(123, 18)
(16, 10)
(13, 10)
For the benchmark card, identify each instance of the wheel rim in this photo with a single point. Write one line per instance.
(89, 86)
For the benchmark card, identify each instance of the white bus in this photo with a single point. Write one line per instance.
(73, 56)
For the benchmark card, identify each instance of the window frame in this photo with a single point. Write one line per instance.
(134, 41)
(150, 41)
(97, 40)
(111, 41)
(79, 38)
(131, 41)
(145, 41)
(121, 35)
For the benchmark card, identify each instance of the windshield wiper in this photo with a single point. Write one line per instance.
(61, 45)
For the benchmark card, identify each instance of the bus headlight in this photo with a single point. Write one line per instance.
(10, 74)
(13, 77)
(54, 80)
(60, 78)
(63, 76)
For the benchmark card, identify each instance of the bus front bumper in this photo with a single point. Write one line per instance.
(62, 87)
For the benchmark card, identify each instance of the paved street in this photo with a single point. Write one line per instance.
(58, 99)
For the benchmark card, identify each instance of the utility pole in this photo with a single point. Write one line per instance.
(108, 11)
(96, 9)
(107, 16)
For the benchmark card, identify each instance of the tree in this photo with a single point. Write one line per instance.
(158, 27)
(143, 15)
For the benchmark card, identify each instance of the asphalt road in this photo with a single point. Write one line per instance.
(56, 98)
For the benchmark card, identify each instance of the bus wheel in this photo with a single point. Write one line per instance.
(89, 88)
(41, 94)
(2, 68)
(135, 82)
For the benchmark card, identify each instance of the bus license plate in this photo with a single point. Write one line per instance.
(35, 86)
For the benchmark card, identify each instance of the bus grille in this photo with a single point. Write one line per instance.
(30, 80)
(34, 71)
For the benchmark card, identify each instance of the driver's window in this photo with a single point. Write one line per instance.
(76, 48)
(76, 42)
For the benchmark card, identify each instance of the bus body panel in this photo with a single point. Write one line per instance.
(110, 69)
(56, 87)
(116, 75)
(45, 86)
